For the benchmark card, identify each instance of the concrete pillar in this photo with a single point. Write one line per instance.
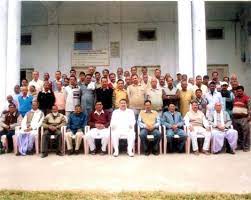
(3, 50)
(185, 37)
(199, 37)
(13, 45)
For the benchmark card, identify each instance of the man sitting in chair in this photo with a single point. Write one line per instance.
(122, 124)
(52, 126)
(174, 123)
(149, 122)
(197, 124)
(75, 127)
(29, 130)
(221, 123)
(8, 122)
(99, 121)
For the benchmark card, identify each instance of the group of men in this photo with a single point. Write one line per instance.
(114, 105)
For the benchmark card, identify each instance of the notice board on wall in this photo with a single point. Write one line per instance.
(82, 58)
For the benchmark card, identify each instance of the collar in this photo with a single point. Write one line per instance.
(96, 112)
(151, 111)
(35, 111)
(46, 92)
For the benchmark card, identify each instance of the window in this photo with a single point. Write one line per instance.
(83, 41)
(215, 34)
(26, 39)
(147, 35)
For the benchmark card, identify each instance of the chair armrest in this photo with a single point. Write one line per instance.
(17, 128)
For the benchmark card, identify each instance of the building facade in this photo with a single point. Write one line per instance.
(192, 37)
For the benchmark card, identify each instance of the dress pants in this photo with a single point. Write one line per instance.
(78, 139)
(194, 135)
(128, 134)
(95, 133)
(143, 137)
(170, 137)
(46, 137)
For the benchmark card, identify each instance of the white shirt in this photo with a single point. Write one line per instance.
(36, 121)
(39, 84)
(212, 99)
(72, 97)
(202, 87)
(123, 119)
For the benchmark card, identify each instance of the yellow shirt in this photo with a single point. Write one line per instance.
(136, 96)
(117, 96)
(185, 99)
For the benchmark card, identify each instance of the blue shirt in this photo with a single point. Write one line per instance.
(25, 104)
(77, 121)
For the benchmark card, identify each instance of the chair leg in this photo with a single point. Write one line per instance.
(165, 145)
(14, 137)
(139, 145)
(108, 146)
(160, 146)
(86, 146)
(188, 144)
(37, 144)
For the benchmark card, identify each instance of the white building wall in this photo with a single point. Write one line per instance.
(120, 21)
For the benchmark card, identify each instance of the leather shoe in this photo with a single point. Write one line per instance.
(44, 155)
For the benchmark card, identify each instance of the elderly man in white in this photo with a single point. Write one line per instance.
(29, 129)
(221, 129)
(122, 125)
(197, 124)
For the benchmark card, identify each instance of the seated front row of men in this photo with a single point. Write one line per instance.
(216, 129)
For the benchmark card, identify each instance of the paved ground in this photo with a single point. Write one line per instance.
(173, 173)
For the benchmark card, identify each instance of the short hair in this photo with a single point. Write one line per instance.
(97, 73)
(112, 74)
(205, 77)
(198, 76)
(198, 90)
(120, 80)
(147, 101)
(212, 83)
(134, 75)
(193, 101)
(122, 100)
(66, 78)
(81, 73)
(104, 78)
(78, 106)
(98, 102)
(215, 72)
(88, 75)
(72, 70)
(73, 77)
(105, 70)
(12, 105)
(58, 71)
(240, 87)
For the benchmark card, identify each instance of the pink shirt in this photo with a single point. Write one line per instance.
(60, 100)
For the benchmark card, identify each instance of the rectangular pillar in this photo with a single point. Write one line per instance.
(199, 37)
(3, 50)
(185, 37)
(13, 45)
